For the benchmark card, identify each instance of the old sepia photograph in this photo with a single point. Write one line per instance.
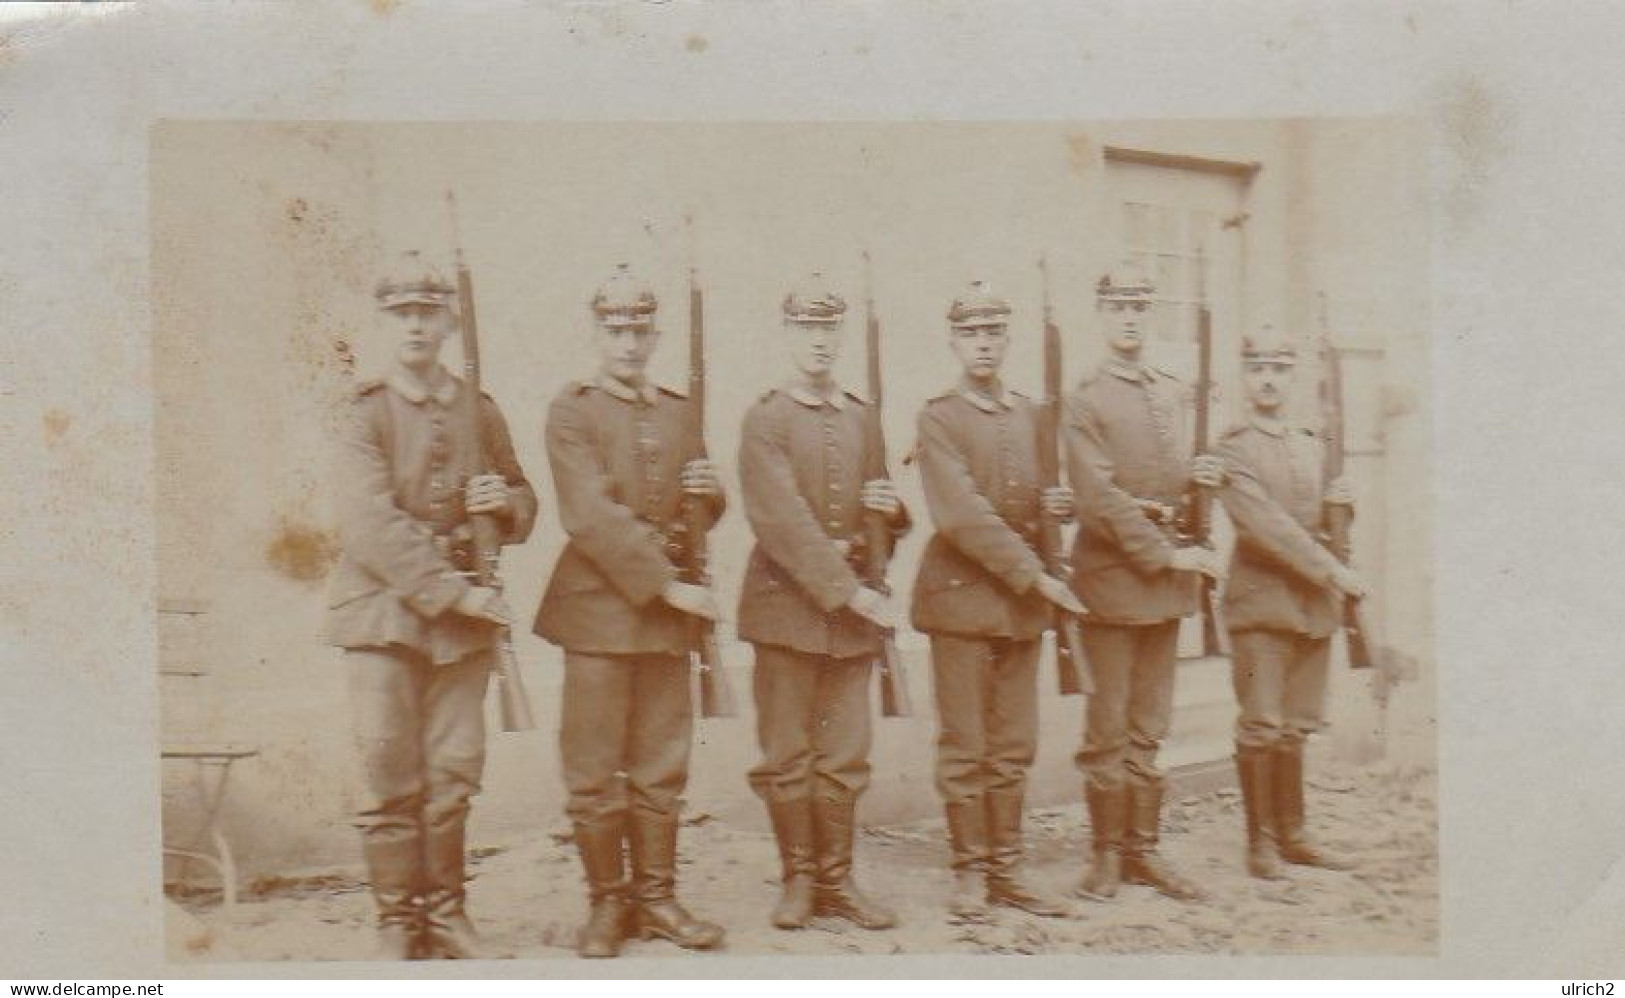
(709, 540)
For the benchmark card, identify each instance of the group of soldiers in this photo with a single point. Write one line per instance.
(419, 632)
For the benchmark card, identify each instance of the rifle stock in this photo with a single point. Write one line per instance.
(1361, 626)
(513, 699)
(717, 697)
(1072, 676)
(894, 695)
(1199, 501)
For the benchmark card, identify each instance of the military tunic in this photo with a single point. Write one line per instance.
(803, 460)
(1280, 606)
(417, 670)
(975, 594)
(617, 454)
(1128, 458)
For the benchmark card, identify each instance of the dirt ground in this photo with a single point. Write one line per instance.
(528, 899)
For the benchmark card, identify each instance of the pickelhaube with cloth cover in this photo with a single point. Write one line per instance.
(978, 308)
(625, 301)
(413, 281)
(1268, 346)
(1127, 281)
(812, 301)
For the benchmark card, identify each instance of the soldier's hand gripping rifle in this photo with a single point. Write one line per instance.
(716, 693)
(1198, 519)
(1071, 663)
(1360, 625)
(513, 700)
(894, 697)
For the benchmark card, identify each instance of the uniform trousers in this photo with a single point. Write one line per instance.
(1128, 715)
(812, 721)
(420, 732)
(987, 714)
(1280, 682)
(625, 734)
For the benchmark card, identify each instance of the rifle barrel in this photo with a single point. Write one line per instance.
(1071, 663)
(894, 695)
(513, 698)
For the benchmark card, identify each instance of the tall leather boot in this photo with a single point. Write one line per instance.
(837, 895)
(1255, 769)
(1108, 821)
(1295, 844)
(1141, 863)
(968, 846)
(447, 931)
(1006, 885)
(602, 845)
(654, 885)
(393, 868)
(793, 827)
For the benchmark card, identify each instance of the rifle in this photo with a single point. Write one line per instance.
(1360, 625)
(1338, 518)
(894, 697)
(716, 693)
(1198, 525)
(1071, 662)
(513, 700)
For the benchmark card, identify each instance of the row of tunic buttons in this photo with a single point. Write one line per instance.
(832, 470)
(1006, 461)
(1007, 467)
(649, 447)
(1160, 423)
(1302, 489)
(439, 452)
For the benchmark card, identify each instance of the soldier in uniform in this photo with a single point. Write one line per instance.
(983, 597)
(419, 638)
(1284, 601)
(1129, 460)
(623, 459)
(815, 626)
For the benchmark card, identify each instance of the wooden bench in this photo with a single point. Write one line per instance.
(185, 679)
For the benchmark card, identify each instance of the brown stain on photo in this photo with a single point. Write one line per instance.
(1477, 129)
(384, 7)
(57, 424)
(696, 43)
(302, 551)
(1080, 154)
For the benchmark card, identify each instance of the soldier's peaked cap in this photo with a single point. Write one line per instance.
(1268, 345)
(1126, 281)
(978, 307)
(413, 281)
(624, 300)
(812, 301)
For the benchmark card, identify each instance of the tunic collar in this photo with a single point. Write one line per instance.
(616, 388)
(1138, 374)
(998, 402)
(1273, 427)
(413, 388)
(812, 400)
